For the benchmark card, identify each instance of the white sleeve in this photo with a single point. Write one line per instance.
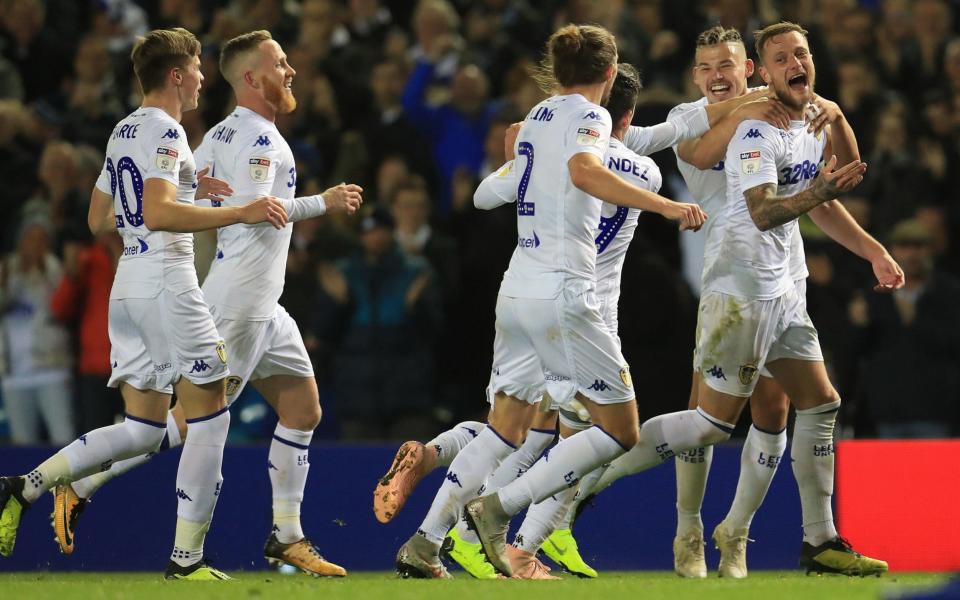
(681, 125)
(497, 188)
(203, 158)
(257, 167)
(304, 207)
(753, 152)
(166, 150)
(105, 182)
(588, 131)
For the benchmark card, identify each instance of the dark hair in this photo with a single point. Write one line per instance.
(762, 36)
(625, 91)
(718, 34)
(576, 55)
(239, 46)
(159, 51)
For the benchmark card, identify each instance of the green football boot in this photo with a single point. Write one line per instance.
(198, 571)
(12, 507)
(562, 549)
(837, 556)
(469, 556)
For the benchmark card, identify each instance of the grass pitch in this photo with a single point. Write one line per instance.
(778, 585)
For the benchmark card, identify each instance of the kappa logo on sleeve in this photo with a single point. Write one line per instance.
(259, 169)
(587, 136)
(167, 158)
(750, 162)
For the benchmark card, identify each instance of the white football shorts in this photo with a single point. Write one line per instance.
(737, 336)
(259, 349)
(565, 338)
(155, 341)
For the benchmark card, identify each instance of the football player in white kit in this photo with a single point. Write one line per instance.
(162, 335)
(721, 70)
(752, 313)
(547, 316)
(246, 279)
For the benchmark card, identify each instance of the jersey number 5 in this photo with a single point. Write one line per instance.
(135, 218)
(525, 209)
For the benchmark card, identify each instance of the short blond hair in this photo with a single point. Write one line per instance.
(240, 45)
(718, 34)
(762, 36)
(159, 51)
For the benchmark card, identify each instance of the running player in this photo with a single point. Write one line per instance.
(771, 312)
(547, 318)
(162, 335)
(246, 279)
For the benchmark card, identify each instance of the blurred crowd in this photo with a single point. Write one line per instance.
(411, 100)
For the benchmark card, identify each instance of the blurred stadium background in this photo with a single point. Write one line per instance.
(410, 100)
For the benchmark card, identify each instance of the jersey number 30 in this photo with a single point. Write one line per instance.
(525, 209)
(135, 218)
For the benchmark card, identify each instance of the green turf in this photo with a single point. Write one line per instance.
(633, 585)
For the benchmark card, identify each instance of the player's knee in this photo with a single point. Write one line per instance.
(305, 418)
(628, 437)
(147, 437)
(713, 435)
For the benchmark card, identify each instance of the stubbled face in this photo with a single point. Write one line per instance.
(788, 68)
(191, 80)
(721, 71)
(276, 76)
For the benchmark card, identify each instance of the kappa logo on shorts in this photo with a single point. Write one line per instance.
(199, 366)
(625, 376)
(233, 384)
(716, 372)
(599, 385)
(747, 374)
(222, 351)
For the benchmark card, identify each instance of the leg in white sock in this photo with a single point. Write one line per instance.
(693, 467)
(93, 452)
(288, 464)
(198, 484)
(584, 491)
(561, 469)
(449, 443)
(543, 518)
(513, 466)
(762, 453)
(464, 481)
(813, 465)
(86, 487)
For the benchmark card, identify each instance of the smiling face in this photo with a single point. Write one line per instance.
(721, 71)
(276, 77)
(788, 68)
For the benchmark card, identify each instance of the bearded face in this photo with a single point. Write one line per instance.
(279, 95)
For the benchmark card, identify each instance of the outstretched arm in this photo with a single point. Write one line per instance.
(768, 210)
(840, 226)
(708, 150)
(162, 212)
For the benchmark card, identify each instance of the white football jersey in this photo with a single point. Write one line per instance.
(618, 224)
(709, 188)
(247, 274)
(149, 144)
(556, 222)
(612, 233)
(749, 262)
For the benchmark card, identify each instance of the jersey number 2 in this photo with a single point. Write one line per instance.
(135, 218)
(525, 209)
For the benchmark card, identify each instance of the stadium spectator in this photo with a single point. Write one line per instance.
(81, 300)
(35, 349)
(40, 55)
(383, 378)
(910, 344)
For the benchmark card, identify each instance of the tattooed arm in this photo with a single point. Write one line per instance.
(768, 210)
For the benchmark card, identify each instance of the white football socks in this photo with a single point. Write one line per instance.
(86, 487)
(513, 466)
(288, 464)
(693, 467)
(198, 483)
(93, 452)
(449, 443)
(762, 453)
(813, 464)
(560, 469)
(661, 437)
(463, 481)
(587, 487)
(543, 518)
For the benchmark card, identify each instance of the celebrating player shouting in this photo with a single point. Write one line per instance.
(162, 335)
(246, 279)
